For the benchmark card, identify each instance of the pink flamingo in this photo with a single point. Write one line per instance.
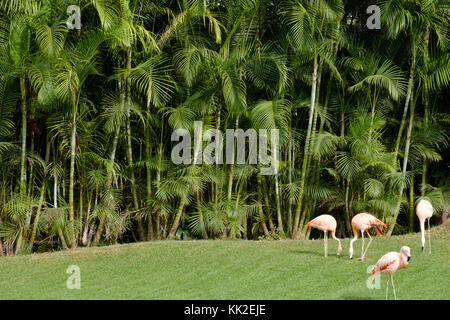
(326, 223)
(362, 222)
(424, 211)
(391, 262)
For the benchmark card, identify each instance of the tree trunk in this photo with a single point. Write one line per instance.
(200, 216)
(427, 108)
(405, 164)
(23, 111)
(148, 153)
(260, 207)
(112, 158)
(411, 205)
(42, 195)
(130, 150)
(176, 221)
(72, 172)
(23, 169)
(84, 240)
(277, 199)
(267, 204)
(306, 151)
(405, 110)
(409, 97)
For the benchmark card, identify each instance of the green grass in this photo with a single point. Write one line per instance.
(227, 270)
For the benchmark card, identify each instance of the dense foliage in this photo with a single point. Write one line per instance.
(86, 117)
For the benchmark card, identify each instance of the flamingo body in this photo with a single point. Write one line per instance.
(424, 211)
(390, 263)
(362, 222)
(326, 223)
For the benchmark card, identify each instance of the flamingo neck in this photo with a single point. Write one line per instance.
(403, 260)
(422, 231)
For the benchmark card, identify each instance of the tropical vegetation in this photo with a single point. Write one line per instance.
(86, 117)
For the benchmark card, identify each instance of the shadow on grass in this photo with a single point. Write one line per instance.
(315, 253)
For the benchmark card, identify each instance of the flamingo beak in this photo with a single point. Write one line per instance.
(409, 258)
(423, 248)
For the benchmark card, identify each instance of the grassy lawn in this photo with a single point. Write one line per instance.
(227, 270)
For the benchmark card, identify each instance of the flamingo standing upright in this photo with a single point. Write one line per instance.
(424, 211)
(326, 223)
(362, 222)
(390, 263)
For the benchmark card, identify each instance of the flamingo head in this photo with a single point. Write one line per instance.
(405, 250)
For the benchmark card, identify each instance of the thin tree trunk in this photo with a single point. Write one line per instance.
(347, 206)
(411, 205)
(72, 171)
(61, 237)
(277, 199)
(260, 207)
(230, 185)
(405, 164)
(130, 150)
(267, 204)
(200, 216)
(427, 108)
(1, 242)
(42, 195)
(306, 151)
(176, 221)
(405, 110)
(148, 153)
(158, 181)
(30, 175)
(109, 179)
(291, 167)
(84, 240)
(23, 110)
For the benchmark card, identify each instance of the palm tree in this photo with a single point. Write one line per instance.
(72, 71)
(417, 18)
(311, 26)
(89, 160)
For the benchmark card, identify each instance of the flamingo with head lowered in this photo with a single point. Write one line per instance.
(424, 211)
(326, 223)
(362, 222)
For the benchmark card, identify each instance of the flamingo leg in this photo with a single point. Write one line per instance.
(350, 251)
(393, 286)
(325, 242)
(429, 234)
(387, 288)
(362, 246)
(368, 245)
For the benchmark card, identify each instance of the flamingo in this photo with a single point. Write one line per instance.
(424, 211)
(362, 222)
(391, 262)
(326, 223)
